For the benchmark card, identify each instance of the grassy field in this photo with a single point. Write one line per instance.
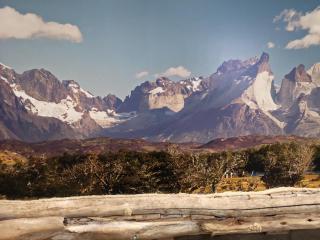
(256, 184)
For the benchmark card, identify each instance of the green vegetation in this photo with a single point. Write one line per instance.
(131, 172)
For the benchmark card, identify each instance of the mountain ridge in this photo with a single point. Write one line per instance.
(240, 98)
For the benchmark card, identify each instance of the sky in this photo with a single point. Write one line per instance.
(111, 46)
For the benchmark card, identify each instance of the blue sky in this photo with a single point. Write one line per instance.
(121, 38)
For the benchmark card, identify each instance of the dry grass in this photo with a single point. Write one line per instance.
(11, 158)
(256, 184)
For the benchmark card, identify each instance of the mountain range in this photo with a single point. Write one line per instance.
(239, 99)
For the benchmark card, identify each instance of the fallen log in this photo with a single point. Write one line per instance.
(160, 216)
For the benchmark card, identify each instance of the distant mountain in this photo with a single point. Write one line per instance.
(238, 102)
(11, 150)
(244, 142)
(56, 109)
(239, 99)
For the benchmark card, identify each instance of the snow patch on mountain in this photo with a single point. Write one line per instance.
(89, 95)
(76, 89)
(157, 90)
(110, 117)
(65, 110)
(262, 91)
(4, 79)
(196, 84)
(258, 96)
(193, 84)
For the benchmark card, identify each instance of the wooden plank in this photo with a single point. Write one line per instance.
(160, 216)
(280, 223)
(223, 205)
(52, 228)
(24, 228)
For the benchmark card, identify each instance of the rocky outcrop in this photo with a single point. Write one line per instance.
(296, 82)
(301, 120)
(163, 93)
(42, 85)
(314, 72)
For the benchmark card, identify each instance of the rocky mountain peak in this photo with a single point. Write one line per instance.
(238, 99)
(162, 81)
(296, 82)
(112, 101)
(42, 85)
(76, 90)
(299, 74)
(68, 83)
(264, 58)
(40, 75)
(230, 65)
(263, 64)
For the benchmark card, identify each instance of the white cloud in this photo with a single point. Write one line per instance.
(179, 71)
(142, 74)
(24, 26)
(271, 44)
(309, 21)
(289, 16)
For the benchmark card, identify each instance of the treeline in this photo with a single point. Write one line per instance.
(129, 172)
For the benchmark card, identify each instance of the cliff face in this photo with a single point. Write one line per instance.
(296, 82)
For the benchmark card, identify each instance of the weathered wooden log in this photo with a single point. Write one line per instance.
(159, 216)
(22, 227)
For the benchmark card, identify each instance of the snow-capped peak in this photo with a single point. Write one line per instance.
(5, 66)
(193, 84)
(65, 110)
(196, 84)
(156, 90)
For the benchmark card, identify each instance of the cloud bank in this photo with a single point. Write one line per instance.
(309, 21)
(142, 74)
(179, 71)
(25, 26)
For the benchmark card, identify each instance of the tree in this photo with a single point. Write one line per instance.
(207, 170)
(285, 163)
